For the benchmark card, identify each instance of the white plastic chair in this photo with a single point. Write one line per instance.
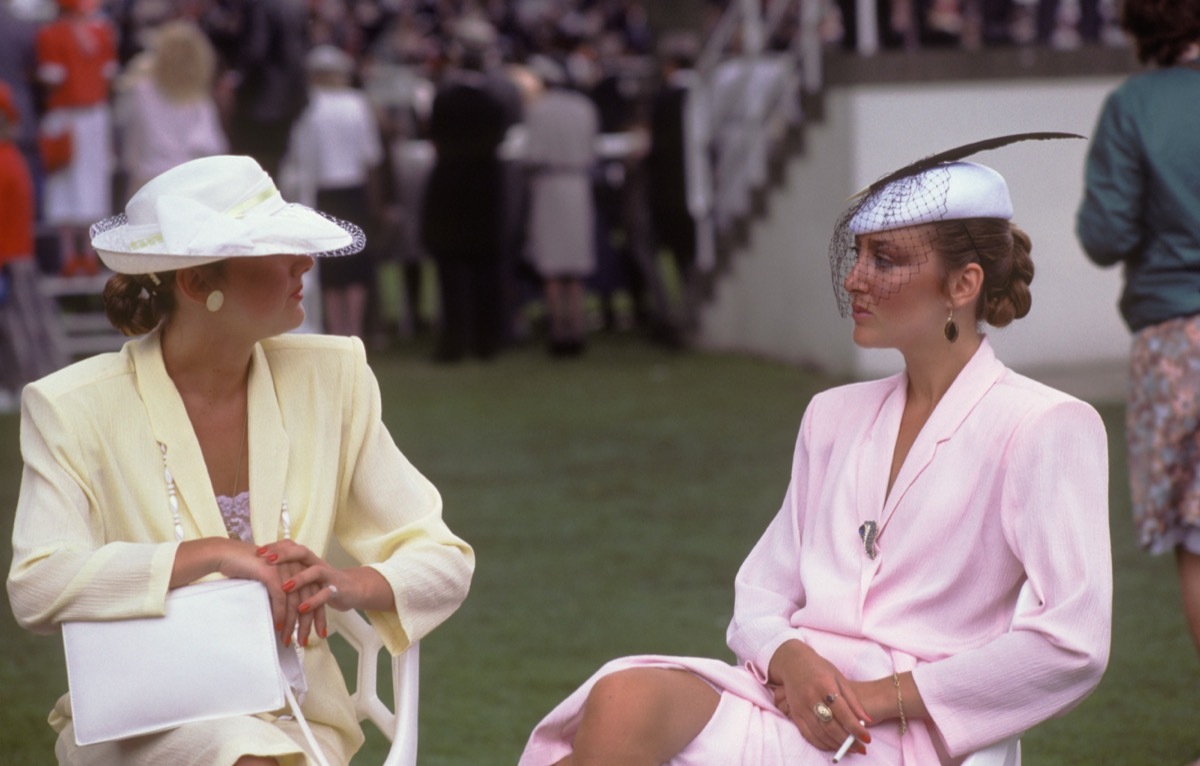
(1006, 752)
(399, 723)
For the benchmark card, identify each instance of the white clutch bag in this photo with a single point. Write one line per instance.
(213, 655)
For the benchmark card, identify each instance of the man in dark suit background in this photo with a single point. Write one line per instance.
(666, 165)
(463, 223)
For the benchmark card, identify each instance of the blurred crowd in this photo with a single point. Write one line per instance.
(471, 141)
(517, 165)
(914, 24)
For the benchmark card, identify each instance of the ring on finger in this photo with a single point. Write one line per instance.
(333, 591)
(831, 698)
(823, 712)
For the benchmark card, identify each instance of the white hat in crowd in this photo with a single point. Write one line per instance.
(549, 71)
(329, 58)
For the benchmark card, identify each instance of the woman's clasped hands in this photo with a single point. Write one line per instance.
(299, 582)
(813, 694)
(307, 584)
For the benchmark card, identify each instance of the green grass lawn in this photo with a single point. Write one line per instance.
(610, 501)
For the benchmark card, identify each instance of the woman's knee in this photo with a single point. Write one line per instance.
(663, 707)
(635, 693)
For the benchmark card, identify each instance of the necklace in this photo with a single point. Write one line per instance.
(285, 518)
(241, 453)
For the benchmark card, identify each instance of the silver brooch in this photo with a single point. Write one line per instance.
(867, 532)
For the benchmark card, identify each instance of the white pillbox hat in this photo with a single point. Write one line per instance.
(944, 192)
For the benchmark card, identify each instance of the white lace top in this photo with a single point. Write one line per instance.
(236, 513)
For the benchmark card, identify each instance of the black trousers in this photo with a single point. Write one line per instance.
(472, 292)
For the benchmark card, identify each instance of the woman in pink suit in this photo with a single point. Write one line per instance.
(882, 600)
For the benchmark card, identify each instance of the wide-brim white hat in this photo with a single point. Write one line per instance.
(214, 208)
(945, 192)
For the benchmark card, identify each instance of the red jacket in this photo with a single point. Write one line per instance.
(16, 205)
(76, 58)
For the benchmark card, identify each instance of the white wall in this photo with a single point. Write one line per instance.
(778, 300)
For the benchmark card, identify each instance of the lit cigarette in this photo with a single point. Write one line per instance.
(845, 748)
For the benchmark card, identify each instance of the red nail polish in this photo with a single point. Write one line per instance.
(323, 632)
(304, 642)
(304, 608)
(278, 627)
(287, 640)
(261, 550)
(288, 586)
(273, 558)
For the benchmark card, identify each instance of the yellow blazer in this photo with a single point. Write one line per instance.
(94, 538)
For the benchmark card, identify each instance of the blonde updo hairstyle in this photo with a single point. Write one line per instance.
(1002, 250)
(135, 304)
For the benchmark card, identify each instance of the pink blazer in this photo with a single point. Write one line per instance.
(1006, 483)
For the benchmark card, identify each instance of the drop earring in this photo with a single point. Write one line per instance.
(951, 329)
(214, 301)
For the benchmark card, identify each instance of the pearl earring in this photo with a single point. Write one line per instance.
(214, 301)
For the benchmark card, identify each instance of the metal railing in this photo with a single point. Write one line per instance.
(744, 99)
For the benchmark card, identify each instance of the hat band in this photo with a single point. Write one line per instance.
(237, 211)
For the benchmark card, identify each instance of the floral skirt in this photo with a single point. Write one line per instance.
(1163, 435)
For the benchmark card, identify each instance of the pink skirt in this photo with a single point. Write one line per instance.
(745, 730)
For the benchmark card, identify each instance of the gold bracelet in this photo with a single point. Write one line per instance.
(899, 702)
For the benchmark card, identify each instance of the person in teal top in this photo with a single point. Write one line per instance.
(1142, 202)
(1141, 209)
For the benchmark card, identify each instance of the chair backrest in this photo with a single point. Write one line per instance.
(1004, 753)
(399, 723)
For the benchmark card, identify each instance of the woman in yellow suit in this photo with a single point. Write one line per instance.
(272, 445)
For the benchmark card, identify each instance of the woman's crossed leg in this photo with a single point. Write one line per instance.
(641, 716)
